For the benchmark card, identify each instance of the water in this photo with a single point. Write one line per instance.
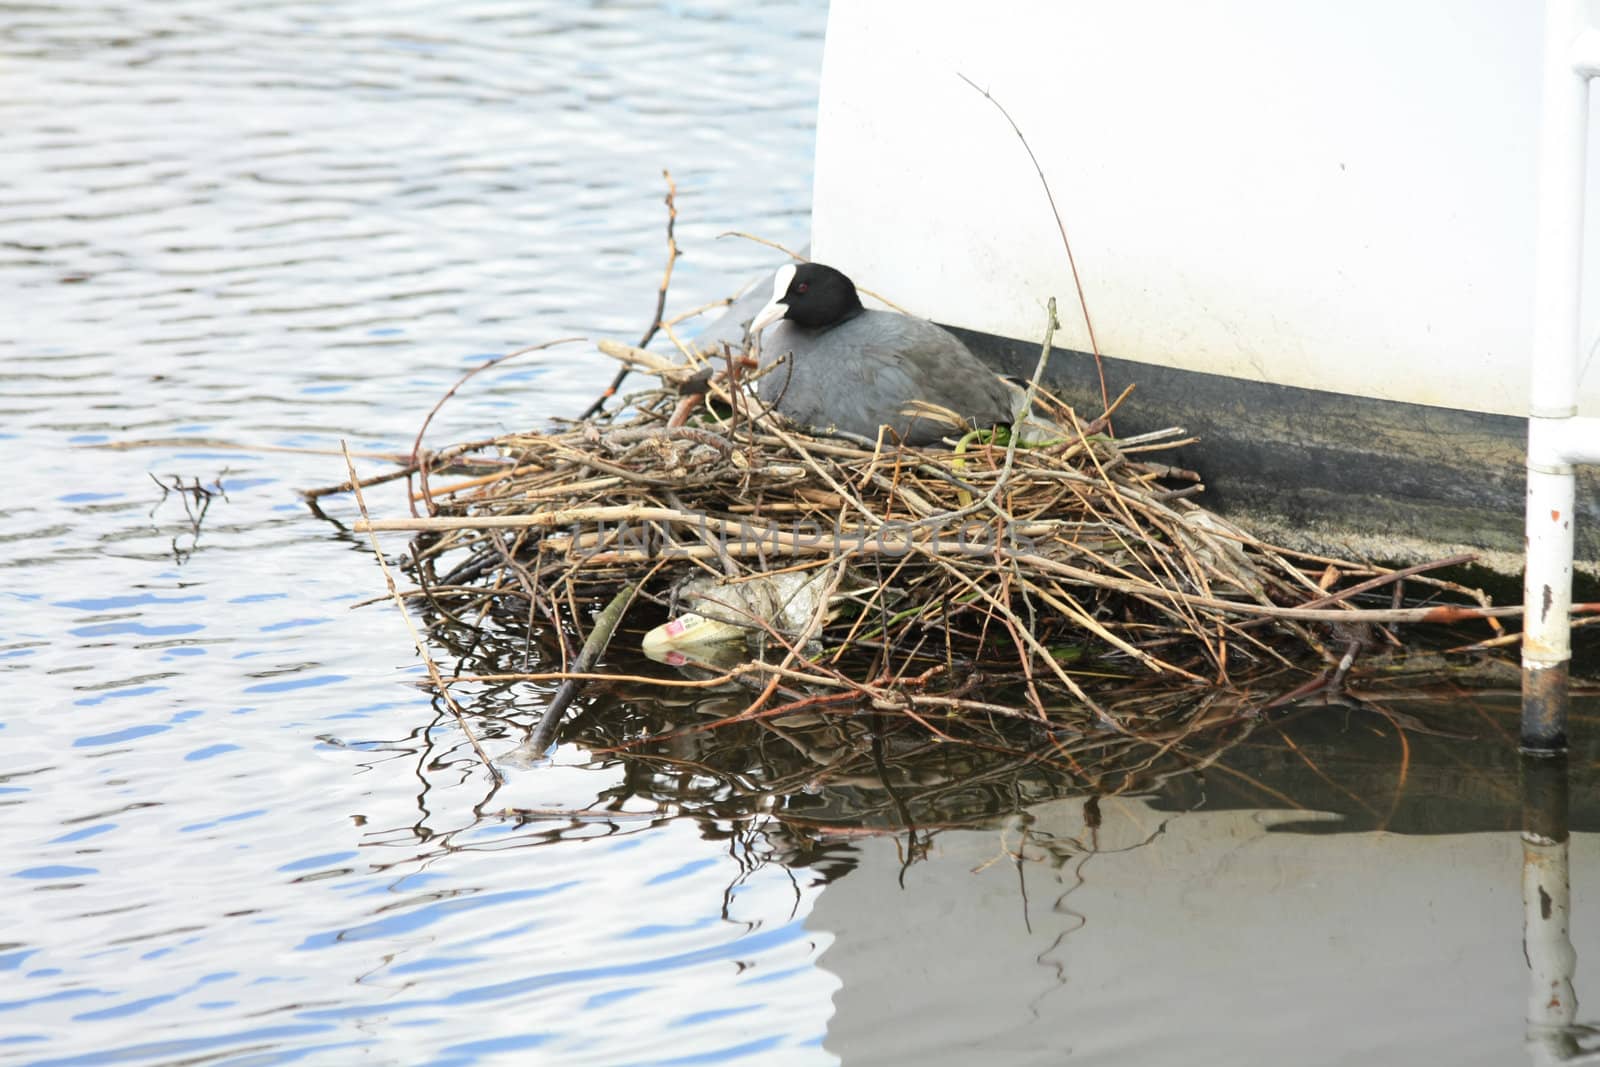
(237, 832)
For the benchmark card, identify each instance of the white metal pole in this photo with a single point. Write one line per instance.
(1556, 436)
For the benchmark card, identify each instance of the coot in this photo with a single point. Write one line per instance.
(855, 370)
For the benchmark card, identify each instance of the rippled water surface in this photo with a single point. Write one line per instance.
(280, 225)
(236, 831)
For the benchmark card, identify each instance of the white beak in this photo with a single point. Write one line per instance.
(776, 308)
(770, 314)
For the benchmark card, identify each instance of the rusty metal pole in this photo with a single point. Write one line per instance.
(1547, 909)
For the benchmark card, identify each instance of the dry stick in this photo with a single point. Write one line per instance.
(791, 253)
(1038, 649)
(1069, 607)
(660, 366)
(816, 468)
(1370, 584)
(1440, 613)
(519, 572)
(1511, 639)
(898, 544)
(416, 445)
(422, 649)
(1153, 590)
(878, 590)
(1094, 345)
(604, 626)
(1028, 397)
(483, 479)
(889, 538)
(405, 471)
(685, 316)
(1012, 625)
(455, 454)
(833, 483)
(1120, 503)
(661, 302)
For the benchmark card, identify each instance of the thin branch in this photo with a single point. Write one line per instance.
(1083, 304)
(416, 637)
(661, 302)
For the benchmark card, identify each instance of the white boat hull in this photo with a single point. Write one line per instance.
(1335, 199)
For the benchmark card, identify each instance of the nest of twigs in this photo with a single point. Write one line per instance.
(984, 577)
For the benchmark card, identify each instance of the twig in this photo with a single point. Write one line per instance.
(455, 455)
(416, 637)
(661, 302)
(604, 626)
(1094, 346)
(418, 461)
(1027, 406)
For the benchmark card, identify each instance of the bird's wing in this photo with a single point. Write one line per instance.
(931, 366)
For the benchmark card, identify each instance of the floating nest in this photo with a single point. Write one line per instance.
(990, 578)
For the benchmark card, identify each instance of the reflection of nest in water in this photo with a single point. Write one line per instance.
(793, 786)
(952, 587)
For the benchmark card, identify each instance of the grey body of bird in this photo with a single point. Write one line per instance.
(872, 370)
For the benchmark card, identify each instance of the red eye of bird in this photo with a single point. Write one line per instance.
(802, 287)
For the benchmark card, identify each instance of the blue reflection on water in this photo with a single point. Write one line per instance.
(684, 871)
(712, 1015)
(611, 996)
(740, 948)
(142, 1004)
(411, 921)
(469, 1051)
(238, 817)
(83, 834)
(722, 1055)
(173, 1049)
(120, 694)
(292, 624)
(130, 733)
(132, 1007)
(54, 870)
(649, 930)
(52, 998)
(210, 751)
(107, 629)
(438, 963)
(287, 684)
(129, 600)
(314, 862)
